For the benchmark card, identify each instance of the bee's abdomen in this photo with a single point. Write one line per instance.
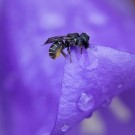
(54, 50)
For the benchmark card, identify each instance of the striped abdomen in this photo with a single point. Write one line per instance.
(55, 50)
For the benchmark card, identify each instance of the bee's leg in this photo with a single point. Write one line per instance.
(63, 53)
(68, 49)
(81, 48)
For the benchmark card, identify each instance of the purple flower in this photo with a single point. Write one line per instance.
(33, 87)
(91, 81)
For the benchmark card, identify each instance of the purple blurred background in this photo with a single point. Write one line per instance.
(31, 82)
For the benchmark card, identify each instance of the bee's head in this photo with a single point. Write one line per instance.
(85, 35)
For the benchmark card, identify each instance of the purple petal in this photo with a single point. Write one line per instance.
(30, 79)
(91, 81)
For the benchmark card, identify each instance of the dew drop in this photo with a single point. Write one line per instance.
(64, 128)
(85, 102)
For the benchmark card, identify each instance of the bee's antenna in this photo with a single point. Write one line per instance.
(45, 43)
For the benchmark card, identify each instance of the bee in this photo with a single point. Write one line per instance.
(62, 42)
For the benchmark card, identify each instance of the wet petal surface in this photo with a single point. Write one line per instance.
(91, 81)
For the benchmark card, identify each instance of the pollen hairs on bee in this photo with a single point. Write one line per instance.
(59, 43)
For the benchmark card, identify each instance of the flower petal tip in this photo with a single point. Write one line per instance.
(90, 81)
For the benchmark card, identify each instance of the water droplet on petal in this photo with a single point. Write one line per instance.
(64, 128)
(85, 102)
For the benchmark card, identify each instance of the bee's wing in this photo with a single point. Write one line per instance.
(73, 34)
(56, 38)
(52, 39)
